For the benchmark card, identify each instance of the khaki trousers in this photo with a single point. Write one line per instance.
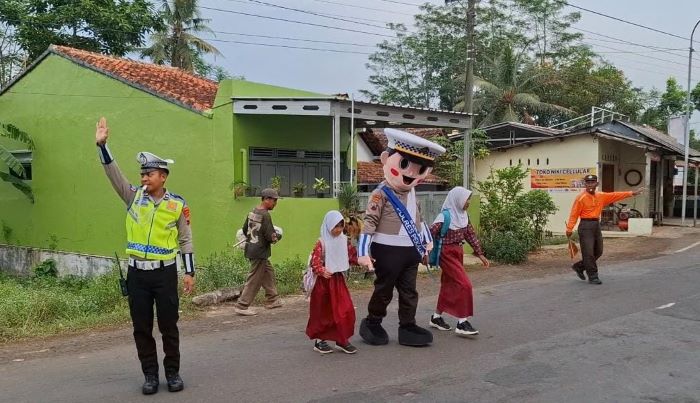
(261, 275)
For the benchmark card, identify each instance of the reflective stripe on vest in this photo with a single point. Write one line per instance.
(151, 231)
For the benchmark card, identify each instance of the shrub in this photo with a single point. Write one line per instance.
(47, 268)
(221, 270)
(507, 247)
(512, 221)
(230, 269)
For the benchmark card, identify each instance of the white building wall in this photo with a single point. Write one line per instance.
(573, 152)
(625, 157)
(363, 152)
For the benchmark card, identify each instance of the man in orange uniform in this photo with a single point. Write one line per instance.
(588, 206)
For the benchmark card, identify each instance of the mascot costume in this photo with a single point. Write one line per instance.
(394, 238)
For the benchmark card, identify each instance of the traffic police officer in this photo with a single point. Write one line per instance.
(155, 219)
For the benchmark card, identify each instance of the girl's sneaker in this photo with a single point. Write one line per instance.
(465, 329)
(439, 323)
(322, 347)
(347, 349)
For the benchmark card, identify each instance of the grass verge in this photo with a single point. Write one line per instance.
(44, 305)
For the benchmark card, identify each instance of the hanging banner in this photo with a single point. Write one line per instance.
(559, 179)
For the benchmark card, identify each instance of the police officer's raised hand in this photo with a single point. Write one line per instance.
(101, 131)
(188, 284)
(638, 191)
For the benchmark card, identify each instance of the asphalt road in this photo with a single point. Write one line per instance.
(636, 338)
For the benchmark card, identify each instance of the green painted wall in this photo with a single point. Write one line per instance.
(58, 104)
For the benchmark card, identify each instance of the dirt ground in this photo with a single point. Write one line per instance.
(549, 261)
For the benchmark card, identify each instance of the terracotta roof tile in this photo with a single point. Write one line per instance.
(170, 83)
(371, 173)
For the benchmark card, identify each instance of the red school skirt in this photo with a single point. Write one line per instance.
(331, 311)
(456, 297)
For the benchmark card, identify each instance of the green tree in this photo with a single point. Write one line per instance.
(11, 162)
(177, 42)
(548, 26)
(421, 68)
(107, 26)
(662, 107)
(12, 57)
(583, 83)
(449, 166)
(508, 90)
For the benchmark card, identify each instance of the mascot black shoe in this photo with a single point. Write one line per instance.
(373, 333)
(414, 336)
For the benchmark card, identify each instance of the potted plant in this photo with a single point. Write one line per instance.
(320, 186)
(348, 199)
(239, 189)
(252, 191)
(299, 189)
(276, 182)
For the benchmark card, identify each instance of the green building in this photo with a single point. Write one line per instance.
(219, 134)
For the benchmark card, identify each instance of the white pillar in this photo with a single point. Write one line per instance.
(695, 206)
(660, 185)
(336, 155)
(647, 184)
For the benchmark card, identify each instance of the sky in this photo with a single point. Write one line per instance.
(340, 72)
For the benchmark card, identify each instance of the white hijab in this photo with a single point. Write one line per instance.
(335, 248)
(455, 201)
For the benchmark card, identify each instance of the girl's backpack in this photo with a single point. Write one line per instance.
(309, 279)
(434, 257)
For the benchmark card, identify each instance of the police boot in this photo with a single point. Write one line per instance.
(175, 383)
(373, 333)
(150, 386)
(414, 336)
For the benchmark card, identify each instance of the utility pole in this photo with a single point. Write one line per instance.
(468, 88)
(688, 112)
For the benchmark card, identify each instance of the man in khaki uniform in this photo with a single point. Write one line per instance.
(260, 234)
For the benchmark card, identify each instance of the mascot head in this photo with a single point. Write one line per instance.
(408, 159)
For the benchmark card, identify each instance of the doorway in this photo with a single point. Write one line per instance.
(608, 178)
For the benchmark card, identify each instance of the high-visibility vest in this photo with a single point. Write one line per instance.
(151, 231)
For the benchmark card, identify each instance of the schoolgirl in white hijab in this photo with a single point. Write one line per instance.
(331, 310)
(456, 295)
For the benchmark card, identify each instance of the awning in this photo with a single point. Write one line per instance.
(362, 113)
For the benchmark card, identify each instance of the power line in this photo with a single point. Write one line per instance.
(288, 46)
(625, 21)
(645, 56)
(295, 21)
(639, 52)
(287, 38)
(666, 50)
(401, 2)
(330, 16)
(243, 34)
(363, 7)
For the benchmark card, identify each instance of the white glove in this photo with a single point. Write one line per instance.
(366, 261)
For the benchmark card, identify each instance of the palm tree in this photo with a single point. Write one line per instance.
(8, 159)
(505, 92)
(177, 44)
